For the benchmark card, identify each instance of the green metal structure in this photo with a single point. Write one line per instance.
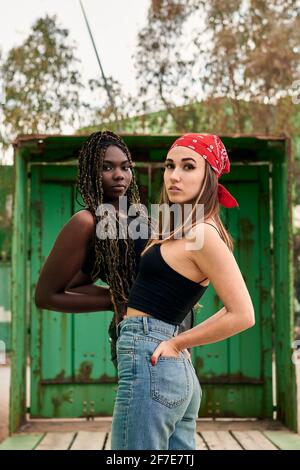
(71, 374)
(6, 199)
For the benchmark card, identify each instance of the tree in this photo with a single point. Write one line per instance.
(162, 71)
(102, 113)
(245, 60)
(41, 83)
(221, 49)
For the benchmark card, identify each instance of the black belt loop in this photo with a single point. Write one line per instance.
(145, 325)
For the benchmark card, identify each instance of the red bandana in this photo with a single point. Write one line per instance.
(213, 150)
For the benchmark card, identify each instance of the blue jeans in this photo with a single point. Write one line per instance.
(157, 406)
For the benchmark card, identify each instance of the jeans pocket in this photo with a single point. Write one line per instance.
(169, 381)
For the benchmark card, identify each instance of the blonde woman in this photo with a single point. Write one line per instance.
(159, 393)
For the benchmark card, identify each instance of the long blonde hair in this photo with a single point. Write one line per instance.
(208, 196)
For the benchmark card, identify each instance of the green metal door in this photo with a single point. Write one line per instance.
(236, 374)
(71, 371)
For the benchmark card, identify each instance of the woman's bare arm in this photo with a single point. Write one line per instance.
(82, 283)
(62, 264)
(217, 263)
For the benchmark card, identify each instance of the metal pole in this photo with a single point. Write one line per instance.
(110, 97)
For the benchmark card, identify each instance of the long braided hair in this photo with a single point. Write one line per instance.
(118, 264)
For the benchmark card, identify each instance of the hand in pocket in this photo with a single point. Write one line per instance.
(165, 349)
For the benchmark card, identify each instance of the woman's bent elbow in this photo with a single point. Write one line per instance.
(249, 319)
(40, 300)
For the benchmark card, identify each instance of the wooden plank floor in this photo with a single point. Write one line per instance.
(211, 435)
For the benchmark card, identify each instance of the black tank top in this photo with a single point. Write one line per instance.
(161, 291)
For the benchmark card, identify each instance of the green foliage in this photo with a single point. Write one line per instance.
(237, 51)
(41, 83)
(102, 112)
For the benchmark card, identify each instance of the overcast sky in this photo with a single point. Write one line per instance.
(114, 23)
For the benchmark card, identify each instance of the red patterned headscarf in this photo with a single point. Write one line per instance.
(212, 149)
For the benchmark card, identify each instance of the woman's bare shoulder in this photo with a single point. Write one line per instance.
(80, 228)
(83, 218)
(201, 231)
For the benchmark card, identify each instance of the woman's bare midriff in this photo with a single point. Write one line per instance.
(132, 312)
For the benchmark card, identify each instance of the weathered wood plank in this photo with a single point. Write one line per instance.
(285, 440)
(22, 441)
(56, 441)
(68, 425)
(108, 442)
(89, 441)
(104, 424)
(213, 440)
(253, 440)
(220, 440)
(200, 444)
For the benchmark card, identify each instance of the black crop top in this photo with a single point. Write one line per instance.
(139, 245)
(161, 291)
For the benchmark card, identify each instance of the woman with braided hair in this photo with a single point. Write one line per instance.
(104, 175)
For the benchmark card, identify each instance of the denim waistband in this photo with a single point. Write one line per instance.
(147, 324)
